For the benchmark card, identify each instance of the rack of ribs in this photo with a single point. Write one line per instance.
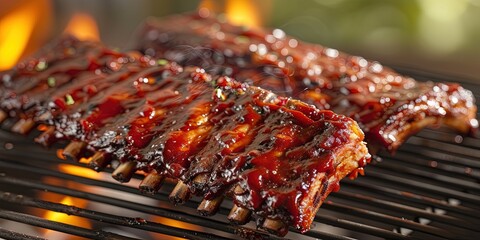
(388, 107)
(276, 157)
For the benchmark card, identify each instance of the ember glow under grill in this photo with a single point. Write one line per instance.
(428, 190)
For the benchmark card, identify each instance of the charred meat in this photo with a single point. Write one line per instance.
(276, 157)
(389, 107)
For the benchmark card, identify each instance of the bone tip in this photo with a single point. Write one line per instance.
(98, 162)
(176, 200)
(121, 177)
(73, 150)
(180, 194)
(239, 215)
(47, 137)
(95, 166)
(23, 126)
(151, 184)
(148, 190)
(209, 207)
(275, 226)
(124, 172)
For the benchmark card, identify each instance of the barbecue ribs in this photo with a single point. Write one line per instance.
(389, 107)
(275, 156)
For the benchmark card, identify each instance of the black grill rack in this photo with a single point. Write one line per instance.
(430, 189)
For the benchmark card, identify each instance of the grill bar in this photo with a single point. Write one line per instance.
(452, 149)
(439, 179)
(414, 198)
(385, 175)
(104, 217)
(176, 215)
(441, 157)
(61, 227)
(360, 227)
(180, 216)
(139, 207)
(448, 137)
(431, 165)
(425, 146)
(390, 220)
(406, 209)
(7, 234)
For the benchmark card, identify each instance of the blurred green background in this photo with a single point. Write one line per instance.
(440, 36)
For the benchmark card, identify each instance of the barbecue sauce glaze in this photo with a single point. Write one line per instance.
(185, 122)
(388, 106)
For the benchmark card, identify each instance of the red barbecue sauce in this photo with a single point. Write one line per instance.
(383, 102)
(183, 123)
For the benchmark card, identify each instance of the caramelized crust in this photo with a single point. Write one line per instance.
(389, 107)
(282, 156)
(31, 82)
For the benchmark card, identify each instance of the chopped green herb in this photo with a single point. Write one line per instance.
(162, 62)
(42, 65)
(69, 99)
(51, 82)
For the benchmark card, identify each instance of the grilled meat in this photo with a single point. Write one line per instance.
(27, 86)
(282, 156)
(389, 107)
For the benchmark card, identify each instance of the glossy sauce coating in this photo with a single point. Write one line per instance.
(185, 122)
(388, 106)
(35, 79)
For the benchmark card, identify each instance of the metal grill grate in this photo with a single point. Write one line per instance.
(429, 190)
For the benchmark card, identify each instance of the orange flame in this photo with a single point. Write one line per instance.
(243, 12)
(248, 13)
(84, 27)
(77, 202)
(64, 218)
(18, 27)
(173, 223)
(79, 171)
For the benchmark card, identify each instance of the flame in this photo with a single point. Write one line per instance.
(239, 12)
(18, 27)
(77, 202)
(83, 26)
(173, 223)
(64, 218)
(79, 171)
(243, 12)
